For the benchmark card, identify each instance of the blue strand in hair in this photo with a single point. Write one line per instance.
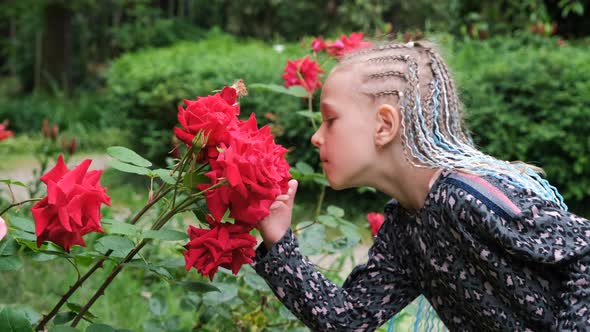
(391, 323)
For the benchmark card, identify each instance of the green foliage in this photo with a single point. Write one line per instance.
(530, 102)
(147, 87)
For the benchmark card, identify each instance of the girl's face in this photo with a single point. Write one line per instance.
(345, 137)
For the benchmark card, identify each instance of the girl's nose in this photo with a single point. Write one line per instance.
(316, 139)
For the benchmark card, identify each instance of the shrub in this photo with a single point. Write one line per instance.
(530, 101)
(147, 87)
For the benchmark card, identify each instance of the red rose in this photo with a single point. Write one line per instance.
(318, 44)
(72, 206)
(212, 114)
(4, 134)
(226, 245)
(303, 72)
(346, 44)
(256, 171)
(375, 221)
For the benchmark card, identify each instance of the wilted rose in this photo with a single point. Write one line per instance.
(72, 206)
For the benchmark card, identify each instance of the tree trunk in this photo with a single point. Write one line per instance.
(56, 66)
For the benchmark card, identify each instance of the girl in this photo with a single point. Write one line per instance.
(488, 243)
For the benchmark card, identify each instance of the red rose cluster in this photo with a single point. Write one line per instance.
(304, 72)
(342, 45)
(375, 220)
(255, 170)
(72, 206)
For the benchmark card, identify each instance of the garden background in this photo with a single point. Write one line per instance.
(112, 73)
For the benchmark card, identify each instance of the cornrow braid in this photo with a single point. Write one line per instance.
(432, 128)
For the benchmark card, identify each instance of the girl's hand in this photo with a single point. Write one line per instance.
(276, 224)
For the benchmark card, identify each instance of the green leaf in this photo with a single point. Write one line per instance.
(311, 238)
(328, 220)
(8, 246)
(117, 227)
(256, 282)
(227, 293)
(190, 302)
(296, 91)
(121, 246)
(172, 263)
(63, 329)
(192, 179)
(335, 211)
(127, 155)
(311, 115)
(164, 174)
(304, 168)
(321, 180)
(128, 168)
(18, 234)
(12, 320)
(64, 317)
(198, 286)
(100, 328)
(16, 183)
(24, 224)
(160, 271)
(158, 306)
(76, 308)
(10, 263)
(165, 235)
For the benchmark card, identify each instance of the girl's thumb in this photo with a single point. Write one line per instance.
(293, 184)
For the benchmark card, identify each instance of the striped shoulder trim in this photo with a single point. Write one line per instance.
(486, 192)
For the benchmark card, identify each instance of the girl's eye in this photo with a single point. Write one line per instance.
(329, 121)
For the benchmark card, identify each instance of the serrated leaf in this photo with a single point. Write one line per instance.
(18, 234)
(76, 308)
(16, 183)
(198, 286)
(335, 211)
(117, 227)
(164, 174)
(12, 320)
(165, 235)
(296, 91)
(128, 168)
(100, 328)
(121, 246)
(160, 271)
(322, 180)
(256, 282)
(10, 263)
(328, 220)
(158, 305)
(304, 168)
(8, 246)
(226, 293)
(24, 224)
(64, 317)
(128, 156)
(63, 329)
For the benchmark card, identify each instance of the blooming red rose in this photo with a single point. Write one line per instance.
(4, 134)
(346, 44)
(375, 221)
(226, 245)
(304, 72)
(72, 206)
(213, 115)
(318, 44)
(256, 171)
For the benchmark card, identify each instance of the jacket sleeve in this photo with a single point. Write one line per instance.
(371, 294)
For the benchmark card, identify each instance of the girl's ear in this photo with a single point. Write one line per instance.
(388, 124)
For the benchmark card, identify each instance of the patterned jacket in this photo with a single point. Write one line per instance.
(487, 255)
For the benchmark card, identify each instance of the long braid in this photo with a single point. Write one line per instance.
(433, 132)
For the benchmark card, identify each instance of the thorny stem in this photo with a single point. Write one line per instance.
(97, 265)
(157, 225)
(19, 203)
